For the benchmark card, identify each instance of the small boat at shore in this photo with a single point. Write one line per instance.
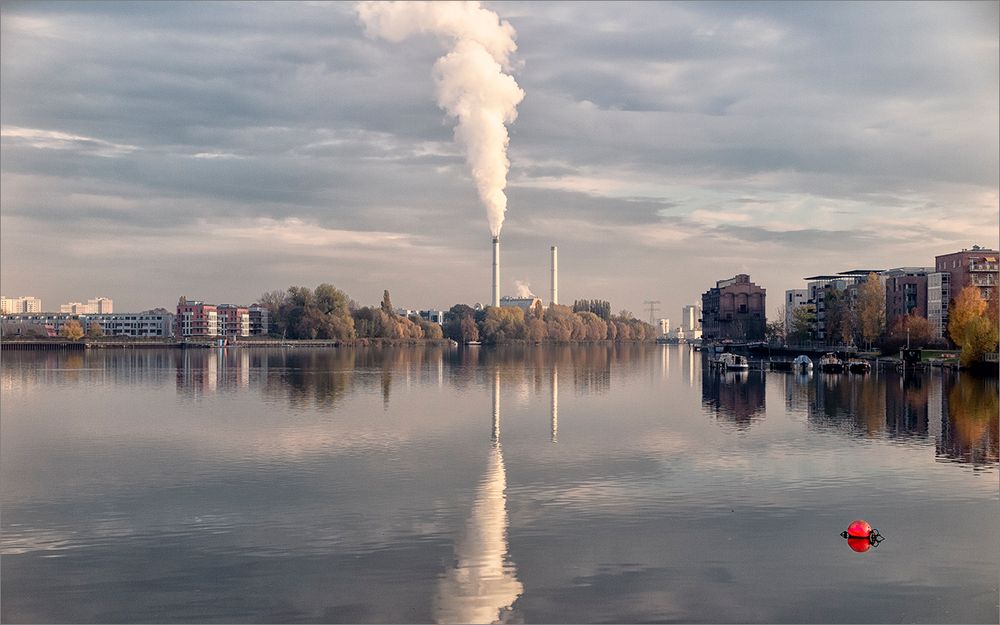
(857, 365)
(829, 363)
(731, 362)
(802, 364)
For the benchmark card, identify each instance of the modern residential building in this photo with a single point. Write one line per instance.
(794, 298)
(23, 304)
(97, 305)
(938, 298)
(233, 320)
(196, 319)
(905, 292)
(846, 284)
(734, 309)
(151, 323)
(260, 320)
(977, 267)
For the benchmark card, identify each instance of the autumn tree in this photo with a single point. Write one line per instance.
(871, 309)
(469, 330)
(966, 306)
(94, 330)
(910, 328)
(387, 303)
(71, 330)
(979, 338)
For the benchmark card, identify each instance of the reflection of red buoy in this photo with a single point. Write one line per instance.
(860, 545)
(859, 529)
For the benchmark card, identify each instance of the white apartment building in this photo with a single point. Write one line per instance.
(95, 306)
(794, 298)
(15, 305)
(151, 323)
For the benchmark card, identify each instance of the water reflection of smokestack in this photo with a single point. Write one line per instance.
(496, 405)
(482, 583)
(555, 403)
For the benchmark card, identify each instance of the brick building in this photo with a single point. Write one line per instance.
(734, 309)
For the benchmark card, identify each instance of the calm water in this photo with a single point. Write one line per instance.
(585, 484)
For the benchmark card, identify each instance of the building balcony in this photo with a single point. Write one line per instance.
(983, 280)
(988, 267)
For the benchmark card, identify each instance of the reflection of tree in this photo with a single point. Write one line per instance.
(736, 397)
(318, 377)
(970, 432)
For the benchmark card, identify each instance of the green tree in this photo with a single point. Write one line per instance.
(71, 330)
(803, 319)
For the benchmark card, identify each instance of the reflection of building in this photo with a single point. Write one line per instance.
(734, 309)
(906, 406)
(736, 397)
(482, 584)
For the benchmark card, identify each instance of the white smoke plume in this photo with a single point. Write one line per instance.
(470, 79)
(523, 288)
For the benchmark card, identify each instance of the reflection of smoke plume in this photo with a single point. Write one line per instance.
(471, 85)
(482, 582)
(523, 289)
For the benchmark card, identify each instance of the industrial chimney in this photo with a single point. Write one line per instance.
(496, 271)
(555, 274)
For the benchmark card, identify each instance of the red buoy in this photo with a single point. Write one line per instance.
(859, 529)
(860, 545)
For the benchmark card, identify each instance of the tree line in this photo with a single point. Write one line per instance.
(328, 313)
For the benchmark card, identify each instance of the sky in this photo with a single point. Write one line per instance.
(221, 150)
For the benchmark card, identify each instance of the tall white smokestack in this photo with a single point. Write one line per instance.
(496, 271)
(555, 274)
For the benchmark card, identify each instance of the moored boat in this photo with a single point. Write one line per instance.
(732, 362)
(857, 365)
(830, 363)
(802, 364)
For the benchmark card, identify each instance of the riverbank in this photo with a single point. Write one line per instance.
(141, 343)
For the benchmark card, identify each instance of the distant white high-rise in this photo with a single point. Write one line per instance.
(690, 318)
(94, 306)
(664, 327)
(24, 304)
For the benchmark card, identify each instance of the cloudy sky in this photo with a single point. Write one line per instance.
(220, 150)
